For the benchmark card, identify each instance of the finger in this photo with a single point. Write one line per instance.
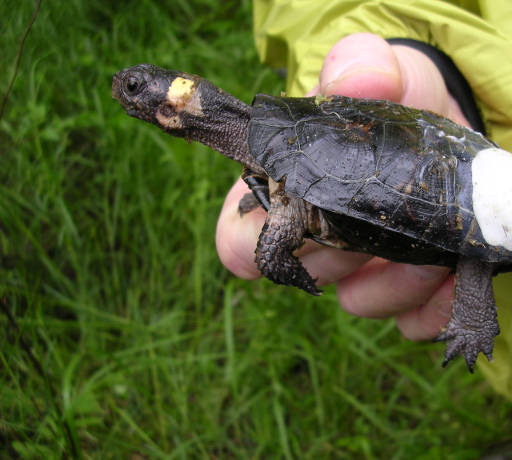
(361, 65)
(329, 265)
(382, 289)
(423, 86)
(365, 65)
(236, 237)
(426, 321)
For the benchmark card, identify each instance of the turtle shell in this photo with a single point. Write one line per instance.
(379, 167)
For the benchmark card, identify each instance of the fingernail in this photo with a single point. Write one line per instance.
(444, 308)
(427, 272)
(362, 81)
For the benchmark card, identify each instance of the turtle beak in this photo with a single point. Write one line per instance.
(116, 87)
(118, 94)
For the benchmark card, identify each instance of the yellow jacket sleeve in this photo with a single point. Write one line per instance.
(476, 34)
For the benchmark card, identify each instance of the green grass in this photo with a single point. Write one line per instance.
(147, 346)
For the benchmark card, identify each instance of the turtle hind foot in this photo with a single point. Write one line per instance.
(473, 324)
(468, 343)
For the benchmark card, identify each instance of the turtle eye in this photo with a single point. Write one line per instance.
(132, 85)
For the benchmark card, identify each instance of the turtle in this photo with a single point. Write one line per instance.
(363, 175)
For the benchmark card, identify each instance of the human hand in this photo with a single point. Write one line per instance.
(419, 297)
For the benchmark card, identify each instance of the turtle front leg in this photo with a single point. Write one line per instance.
(282, 233)
(259, 195)
(473, 324)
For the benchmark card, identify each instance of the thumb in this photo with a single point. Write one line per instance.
(361, 65)
(365, 65)
(423, 86)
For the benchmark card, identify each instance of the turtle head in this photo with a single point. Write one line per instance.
(158, 96)
(186, 106)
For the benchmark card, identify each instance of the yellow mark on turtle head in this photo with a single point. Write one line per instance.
(182, 95)
(181, 88)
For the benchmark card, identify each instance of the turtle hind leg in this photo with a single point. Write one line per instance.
(282, 233)
(473, 323)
